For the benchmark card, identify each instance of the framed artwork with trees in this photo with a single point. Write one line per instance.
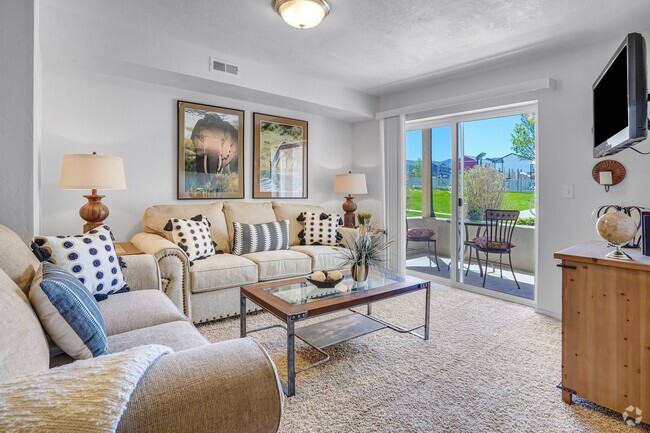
(279, 157)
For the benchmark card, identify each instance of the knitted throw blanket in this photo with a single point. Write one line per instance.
(85, 396)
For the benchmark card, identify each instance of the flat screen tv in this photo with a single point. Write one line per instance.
(621, 99)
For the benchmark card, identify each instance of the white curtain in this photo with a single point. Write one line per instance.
(393, 138)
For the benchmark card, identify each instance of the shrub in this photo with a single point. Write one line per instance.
(484, 189)
(526, 221)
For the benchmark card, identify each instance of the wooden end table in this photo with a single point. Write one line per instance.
(126, 249)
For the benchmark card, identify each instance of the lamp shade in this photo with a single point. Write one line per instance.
(302, 14)
(351, 183)
(86, 171)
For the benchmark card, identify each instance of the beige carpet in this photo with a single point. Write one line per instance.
(489, 366)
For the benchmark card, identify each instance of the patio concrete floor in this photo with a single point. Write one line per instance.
(418, 262)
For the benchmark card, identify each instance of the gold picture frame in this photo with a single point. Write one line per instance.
(210, 152)
(280, 146)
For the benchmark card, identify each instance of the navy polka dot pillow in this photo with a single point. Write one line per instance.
(89, 257)
(193, 236)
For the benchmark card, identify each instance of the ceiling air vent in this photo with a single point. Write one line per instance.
(218, 65)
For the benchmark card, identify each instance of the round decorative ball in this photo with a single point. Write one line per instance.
(617, 228)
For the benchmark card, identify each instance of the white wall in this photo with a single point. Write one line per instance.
(19, 115)
(147, 53)
(368, 158)
(565, 147)
(86, 111)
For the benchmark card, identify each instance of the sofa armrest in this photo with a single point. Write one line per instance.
(230, 386)
(141, 272)
(174, 268)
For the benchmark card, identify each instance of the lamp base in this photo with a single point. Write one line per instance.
(349, 207)
(94, 212)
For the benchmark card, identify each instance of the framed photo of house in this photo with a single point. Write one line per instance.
(210, 152)
(279, 157)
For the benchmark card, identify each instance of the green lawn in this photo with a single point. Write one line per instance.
(442, 202)
(519, 200)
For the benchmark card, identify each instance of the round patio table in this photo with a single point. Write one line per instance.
(479, 224)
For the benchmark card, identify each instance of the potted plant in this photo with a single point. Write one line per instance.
(365, 250)
(474, 214)
(364, 220)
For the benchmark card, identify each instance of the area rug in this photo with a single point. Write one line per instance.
(489, 366)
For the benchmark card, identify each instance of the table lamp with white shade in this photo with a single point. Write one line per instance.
(351, 183)
(93, 172)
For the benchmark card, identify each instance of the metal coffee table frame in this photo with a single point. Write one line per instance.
(354, 325)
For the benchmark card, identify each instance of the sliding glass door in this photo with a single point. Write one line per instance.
(470, 195)
(428, 198)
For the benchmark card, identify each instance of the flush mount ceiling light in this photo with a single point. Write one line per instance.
(303, 14)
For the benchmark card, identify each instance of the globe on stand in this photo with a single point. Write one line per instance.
(618, 229)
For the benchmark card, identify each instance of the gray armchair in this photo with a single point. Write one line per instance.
(201, 387)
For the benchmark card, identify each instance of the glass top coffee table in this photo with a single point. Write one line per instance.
(296, 300)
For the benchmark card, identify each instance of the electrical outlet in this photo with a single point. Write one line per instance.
(567, 191)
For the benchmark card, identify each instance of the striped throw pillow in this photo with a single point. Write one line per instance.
(68, 312)
(254, 238)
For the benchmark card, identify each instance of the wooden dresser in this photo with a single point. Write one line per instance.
(605, 327)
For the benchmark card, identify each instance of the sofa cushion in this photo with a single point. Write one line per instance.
(193, 236)
(175, 335)
(156, 217)
(247, 213)
(22, 339)
(18, 261)
(323, 258)
(68, 312)
(420, 233)
(284, 211)
(482, 242)
(139, 309)
(221, 272)
(273, 265)
(89, 257)
(253, 238)
(320, 229)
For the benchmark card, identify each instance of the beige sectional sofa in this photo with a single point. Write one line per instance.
(209, 289)
(201, 387)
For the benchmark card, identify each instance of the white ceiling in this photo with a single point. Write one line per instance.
(378, 46)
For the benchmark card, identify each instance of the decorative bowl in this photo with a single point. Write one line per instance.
(323, 284)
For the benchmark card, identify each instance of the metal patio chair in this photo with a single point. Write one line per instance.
(423, 234)
(496, 239)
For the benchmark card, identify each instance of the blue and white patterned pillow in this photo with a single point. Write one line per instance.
(68, 313)
(253, 238)
(89, 257)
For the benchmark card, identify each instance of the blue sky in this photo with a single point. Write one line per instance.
(491, 136)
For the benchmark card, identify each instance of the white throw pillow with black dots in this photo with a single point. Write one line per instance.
(193, 236)
(89, 257)
(320, 228)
